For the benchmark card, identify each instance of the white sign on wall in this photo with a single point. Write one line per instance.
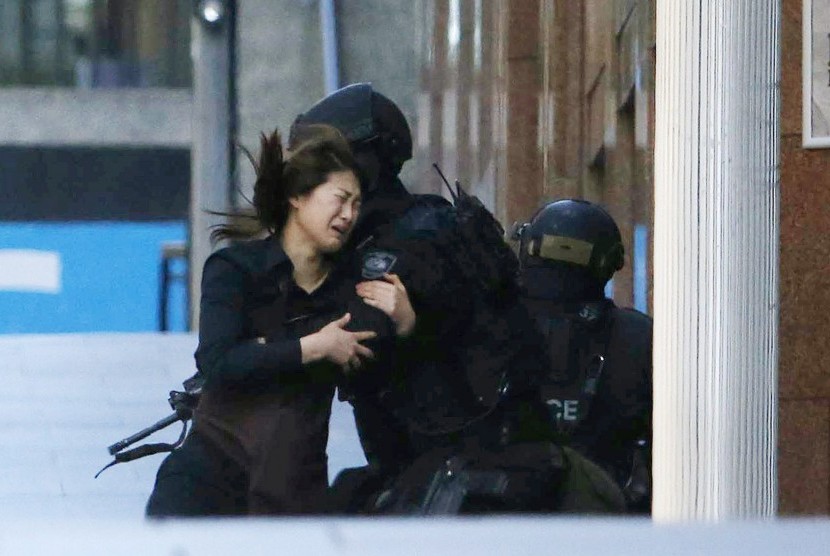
(816, 74)
(30, 270)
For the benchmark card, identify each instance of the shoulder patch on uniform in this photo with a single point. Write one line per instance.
(591, 312)
(376, 264)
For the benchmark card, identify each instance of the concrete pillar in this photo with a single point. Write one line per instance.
(328, 36)
(211, 151)
(716, 259)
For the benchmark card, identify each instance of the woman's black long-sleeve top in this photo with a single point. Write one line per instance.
(252, 318)
(238, 284)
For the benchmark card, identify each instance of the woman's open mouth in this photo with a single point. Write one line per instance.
(342, 231)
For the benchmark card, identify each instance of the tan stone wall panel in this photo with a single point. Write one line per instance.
(595, 102)
(791, 51)
(524, 180)
(570, 104)
(596, 39)
(628, 49)
(618, 197)
(523, 34)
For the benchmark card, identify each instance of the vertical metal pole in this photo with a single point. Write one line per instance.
(164, 292)
(716, 259)
(328, 30)
(211, 151)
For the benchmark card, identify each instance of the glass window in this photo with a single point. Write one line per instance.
(95, 43)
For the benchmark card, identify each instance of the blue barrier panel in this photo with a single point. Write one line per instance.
(86, 276)
(640, 261)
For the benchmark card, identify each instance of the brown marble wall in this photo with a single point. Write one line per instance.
(527, 101)
(804, 379)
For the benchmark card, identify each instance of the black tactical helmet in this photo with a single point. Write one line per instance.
(574, 236)
(369, 120)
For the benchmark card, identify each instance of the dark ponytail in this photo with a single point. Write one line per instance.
(279, 178)
(270, 198)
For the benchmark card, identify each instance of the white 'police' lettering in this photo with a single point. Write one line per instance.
(564, 410)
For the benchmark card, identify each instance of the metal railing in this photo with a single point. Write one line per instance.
(170, 251)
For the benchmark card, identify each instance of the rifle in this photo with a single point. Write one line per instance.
(182, 403)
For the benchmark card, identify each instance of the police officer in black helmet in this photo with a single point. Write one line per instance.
(598, 390)
(456, 422)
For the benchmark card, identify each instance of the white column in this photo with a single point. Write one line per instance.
(210, 154)
(716, 259)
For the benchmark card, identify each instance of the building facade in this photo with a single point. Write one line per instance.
(95, 160)
(533, 100)
(96, 100)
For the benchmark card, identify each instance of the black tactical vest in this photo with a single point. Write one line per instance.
(466, 354)
(598, 387)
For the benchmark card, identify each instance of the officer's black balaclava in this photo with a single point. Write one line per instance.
(381, 184)
(369, 166)
(384, 196)
(561, 282)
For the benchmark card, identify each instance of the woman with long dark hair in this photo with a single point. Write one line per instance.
(280, 326)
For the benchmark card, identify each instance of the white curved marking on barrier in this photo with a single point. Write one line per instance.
(30, 270)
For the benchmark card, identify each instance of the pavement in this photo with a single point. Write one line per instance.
(66, 397)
